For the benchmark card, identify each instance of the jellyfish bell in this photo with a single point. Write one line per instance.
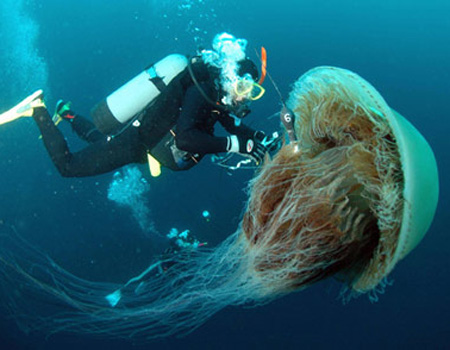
(356, 198)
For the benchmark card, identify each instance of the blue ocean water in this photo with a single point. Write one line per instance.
(83, 50)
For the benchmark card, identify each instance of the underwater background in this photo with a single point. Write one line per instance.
(83, 50)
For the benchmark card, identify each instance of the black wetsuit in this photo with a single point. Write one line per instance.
(181, 107)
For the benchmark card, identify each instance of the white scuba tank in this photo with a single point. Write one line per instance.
(122, 105)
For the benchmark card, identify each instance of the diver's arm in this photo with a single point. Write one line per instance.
(229, 125)
(190, 136)
(244, 140)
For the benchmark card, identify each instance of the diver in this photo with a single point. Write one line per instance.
(179, 243)
(164, 116)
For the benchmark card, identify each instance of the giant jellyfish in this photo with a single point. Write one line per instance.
(349, 199)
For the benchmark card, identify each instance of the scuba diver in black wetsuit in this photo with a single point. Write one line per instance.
(181, 243)
(166, 115)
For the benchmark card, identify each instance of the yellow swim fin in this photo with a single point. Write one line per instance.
(24, 108)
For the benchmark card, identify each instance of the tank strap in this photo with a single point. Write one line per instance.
(156, 80)
(159, 83)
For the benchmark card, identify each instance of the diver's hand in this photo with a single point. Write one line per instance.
(272, 143)
(249, 147)
(259, 136)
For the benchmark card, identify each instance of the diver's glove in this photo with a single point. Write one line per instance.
(250, 147)
(259, 136)
(272, 143)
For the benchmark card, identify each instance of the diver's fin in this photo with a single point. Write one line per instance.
(114, 297)
(138, 288)
(61, 109)
(24, 108)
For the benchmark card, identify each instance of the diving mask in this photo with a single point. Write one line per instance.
(246, 88)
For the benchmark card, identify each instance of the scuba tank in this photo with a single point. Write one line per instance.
(115, 111)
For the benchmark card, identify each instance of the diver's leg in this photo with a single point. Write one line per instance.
(135, 283)
(100, 157)
(85, 129)
(53, 138)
